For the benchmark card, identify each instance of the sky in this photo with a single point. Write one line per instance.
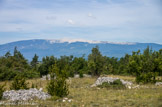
(102, 20)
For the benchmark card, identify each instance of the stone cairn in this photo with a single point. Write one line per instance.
(25, 95)
(100, 80)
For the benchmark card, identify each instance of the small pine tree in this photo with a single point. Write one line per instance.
(81, 74)
(57, 85)
(19, 82)
(95, 62)
(34, 61)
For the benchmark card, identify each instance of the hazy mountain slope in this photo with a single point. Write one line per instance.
(77, 48)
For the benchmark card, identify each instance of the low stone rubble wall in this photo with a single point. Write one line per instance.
(25, 95)
(100, 80)
(158, 83)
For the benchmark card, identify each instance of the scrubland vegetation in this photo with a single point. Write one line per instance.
(144, 68)
(82, 95)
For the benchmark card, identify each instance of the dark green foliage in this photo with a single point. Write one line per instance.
(10, 66)
(2, 89)
(144, 66)
(110, 65)
(80, 64)
(31, 74)
(34, 61)
(57, 85)
(145, 78)
(47, 62)
(81, 74)
(7, 74)
(95, 62)
(19, 82)
(117, 84)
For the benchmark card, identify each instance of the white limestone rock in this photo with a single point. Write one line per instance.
(158, 83)
(25, 95)
(100, 80)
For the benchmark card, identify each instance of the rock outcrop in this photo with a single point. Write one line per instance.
(100, 80)
(46, 77)
(25, 95)
(158, 83)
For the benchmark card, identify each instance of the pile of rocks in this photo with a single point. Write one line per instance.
(84, 75)
(46, 77)
(76, 76)
(87, 76)
(100, 80)
(158, 83)
(67, 100)
(25, 95)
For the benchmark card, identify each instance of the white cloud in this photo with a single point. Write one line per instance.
(131, 17)
(70, 21)
(110, 15)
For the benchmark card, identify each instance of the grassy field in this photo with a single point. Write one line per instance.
(82, 95)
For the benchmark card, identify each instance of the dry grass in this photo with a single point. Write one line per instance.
(83, 95)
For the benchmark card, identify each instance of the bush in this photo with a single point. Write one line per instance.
(81, 74)
(117, 84)
(57, 85)
(31, 74)
(19, 82)
(145, 78)
(2, 89)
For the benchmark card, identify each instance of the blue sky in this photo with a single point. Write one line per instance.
(103, 20)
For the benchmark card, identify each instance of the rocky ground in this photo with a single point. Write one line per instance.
(25, 95)
(100, 80)
(136, 94)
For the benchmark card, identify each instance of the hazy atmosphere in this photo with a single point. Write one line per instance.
(103, 20)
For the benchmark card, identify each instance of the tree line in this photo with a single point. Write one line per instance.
(145, 66)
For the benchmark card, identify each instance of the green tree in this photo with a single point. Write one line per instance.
(57, 85)
(79, 65)
(34, 61)
(144, 66)
(19, 82)
(47, 62)
(95, 62)
(8, 54)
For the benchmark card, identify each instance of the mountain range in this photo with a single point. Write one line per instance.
(77, 48)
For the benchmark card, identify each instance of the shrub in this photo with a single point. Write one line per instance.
(145, 78)
(57, 85)
(34, 85)
(31, 74)
(19, 82)
(81, 74)
(2, 89)
(117, 84)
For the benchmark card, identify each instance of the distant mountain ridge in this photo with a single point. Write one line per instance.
(73, 47)
(88, 41)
